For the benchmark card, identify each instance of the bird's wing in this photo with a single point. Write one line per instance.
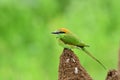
(72, 40)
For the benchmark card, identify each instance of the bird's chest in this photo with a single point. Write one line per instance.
(64, 43)
(69, 40)
(65, 40)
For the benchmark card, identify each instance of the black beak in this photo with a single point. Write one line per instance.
(55, 32)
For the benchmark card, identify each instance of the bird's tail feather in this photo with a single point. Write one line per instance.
(88, 53)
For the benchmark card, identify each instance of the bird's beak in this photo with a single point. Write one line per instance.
(55, 32)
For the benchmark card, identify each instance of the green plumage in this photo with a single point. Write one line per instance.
(71, 40)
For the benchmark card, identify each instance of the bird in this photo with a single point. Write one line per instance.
(69, 40)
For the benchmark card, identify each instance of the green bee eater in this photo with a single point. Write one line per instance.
(69, 40)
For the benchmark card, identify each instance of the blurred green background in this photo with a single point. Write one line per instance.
(28, 50)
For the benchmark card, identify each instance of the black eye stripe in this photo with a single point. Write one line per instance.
(58, 32)
(61, 32)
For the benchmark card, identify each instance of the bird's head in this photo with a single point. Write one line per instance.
(61, 32)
